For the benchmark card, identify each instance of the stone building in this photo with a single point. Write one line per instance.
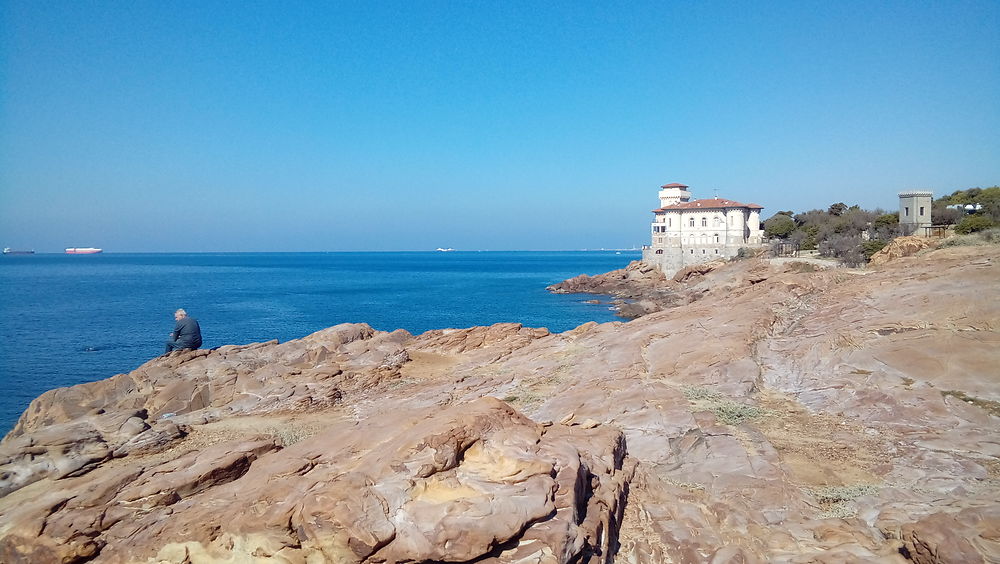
(686, 232)
(915, 212)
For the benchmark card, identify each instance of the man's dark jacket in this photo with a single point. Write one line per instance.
(187, 333)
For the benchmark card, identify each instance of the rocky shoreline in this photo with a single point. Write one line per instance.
(755, 411)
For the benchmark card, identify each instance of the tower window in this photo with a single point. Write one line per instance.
(906, 211)
(921, 210)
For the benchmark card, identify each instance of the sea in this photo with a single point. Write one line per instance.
(70, 319)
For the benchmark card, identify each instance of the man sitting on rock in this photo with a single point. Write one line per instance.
(186, 334)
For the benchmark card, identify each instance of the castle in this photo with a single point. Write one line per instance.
(686, 232)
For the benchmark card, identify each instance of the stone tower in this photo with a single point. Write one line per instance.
(673, 193)
(915, 211)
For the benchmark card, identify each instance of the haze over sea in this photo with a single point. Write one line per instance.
(73, 319)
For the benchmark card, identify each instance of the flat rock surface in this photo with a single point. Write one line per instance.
(777, 412)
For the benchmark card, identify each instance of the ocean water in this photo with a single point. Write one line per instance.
(67, 319)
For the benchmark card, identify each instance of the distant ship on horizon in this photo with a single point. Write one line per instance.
(83, 251)
(10, 251)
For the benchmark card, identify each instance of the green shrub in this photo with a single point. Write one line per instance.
(869, 248)
(977, 239)
(726, 410)
(838, 500)
(973, 223)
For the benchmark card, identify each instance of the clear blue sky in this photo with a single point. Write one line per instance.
(286, 126)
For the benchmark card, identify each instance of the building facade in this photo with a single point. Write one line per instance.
(686, 232)
(915, 212)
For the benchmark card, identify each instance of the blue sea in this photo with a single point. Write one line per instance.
(69, 319)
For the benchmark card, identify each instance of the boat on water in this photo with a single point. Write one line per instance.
(10, 251)
(443, 250)
(83, 251)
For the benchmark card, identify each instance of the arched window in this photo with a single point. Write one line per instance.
(704, 222)
(659, 251)
(691, 222)
(716, 237)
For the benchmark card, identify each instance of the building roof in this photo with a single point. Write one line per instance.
(674, 185)
(709, 204)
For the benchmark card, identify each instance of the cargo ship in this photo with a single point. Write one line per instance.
(10, 251)
(83, 251)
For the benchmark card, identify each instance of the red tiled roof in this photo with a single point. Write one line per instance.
(674, 185)
(709, 204)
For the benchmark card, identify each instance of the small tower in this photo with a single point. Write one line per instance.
(915, 211)
(673, 193)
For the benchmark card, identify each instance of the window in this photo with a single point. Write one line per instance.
(659, 251)
(921, 210)
(669, 222)
(716, 237)
(692, 251)
(704, 222)
(703, 251)
(906, 211)
(716, 250)
(691, 222)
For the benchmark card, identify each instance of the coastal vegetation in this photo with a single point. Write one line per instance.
(844, 232)
(853, 235)
(981, 210)
(974, 239)
(727, 411)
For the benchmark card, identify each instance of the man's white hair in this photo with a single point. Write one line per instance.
(181, 312)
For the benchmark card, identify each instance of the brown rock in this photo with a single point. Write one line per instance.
(688, 272)
(969, 536)
(811, 416)
(901, 247)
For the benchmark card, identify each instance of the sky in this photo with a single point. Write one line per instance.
(337, 126)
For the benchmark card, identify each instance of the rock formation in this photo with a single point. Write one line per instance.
(637, 289)
(901, 247)
(782, 414)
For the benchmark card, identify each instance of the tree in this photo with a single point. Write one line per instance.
(886, 220)
(847, 248)
(837, 209)
(941, 214)
(987, 198)
(779, 225)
